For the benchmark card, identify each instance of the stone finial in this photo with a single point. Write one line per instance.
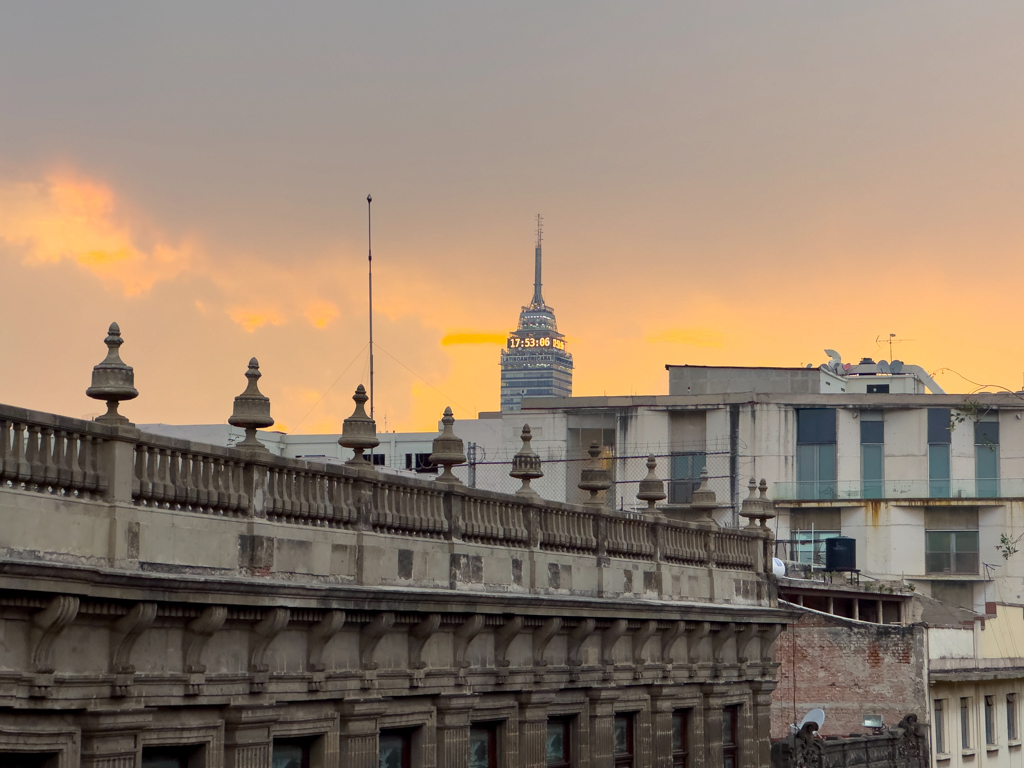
(757, 508)
(359, 431)
(594, 477)
(112, 380)
(526, 466)
(652, 488)
(448, 450)
(252, 409)
(705, 500)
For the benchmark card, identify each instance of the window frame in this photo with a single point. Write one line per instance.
(731, 751)
(991, 735)
(305, 743)
(953, 568)
(938, 710)
(188, 753)
(406, 735)
(493, 730)
(681, 756)
(566, 723)
(965, 722)
(624, 759)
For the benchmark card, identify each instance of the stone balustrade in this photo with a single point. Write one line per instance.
(119, 465)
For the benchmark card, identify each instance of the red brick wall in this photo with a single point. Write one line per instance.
(848, 669)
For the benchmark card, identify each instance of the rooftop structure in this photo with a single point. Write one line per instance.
(535, 362)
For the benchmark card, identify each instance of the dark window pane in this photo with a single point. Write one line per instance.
(166, 757)
(872, 431)
(28, 759)
(677, 732)
(621, 735)
(938, 426)
(482, 747)
(394, 749)
(986, 433)
(290, 755)
(816, 425)
(558, 743)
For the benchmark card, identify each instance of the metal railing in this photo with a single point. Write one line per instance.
(840, 490)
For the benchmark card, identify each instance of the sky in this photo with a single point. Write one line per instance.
(740, 183)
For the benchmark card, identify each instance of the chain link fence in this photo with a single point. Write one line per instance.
(680, 472)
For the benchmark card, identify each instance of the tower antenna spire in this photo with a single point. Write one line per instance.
(369, 259)
(538, 299)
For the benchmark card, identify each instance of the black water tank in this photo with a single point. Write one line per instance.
(840, 554)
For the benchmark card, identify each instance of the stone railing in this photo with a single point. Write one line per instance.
(72, 458)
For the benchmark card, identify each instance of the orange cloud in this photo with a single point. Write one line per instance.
(472, 338)
(251, 319)
(321, 313)
(75, 219)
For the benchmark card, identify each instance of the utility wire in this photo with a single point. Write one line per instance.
(358, 355)
(410, 370)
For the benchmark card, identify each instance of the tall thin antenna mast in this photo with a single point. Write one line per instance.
(538, 298)
(369, 258)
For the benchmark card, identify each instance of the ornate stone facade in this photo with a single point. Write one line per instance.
(168, 603)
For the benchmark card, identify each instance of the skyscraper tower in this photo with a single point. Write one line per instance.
(535, 362)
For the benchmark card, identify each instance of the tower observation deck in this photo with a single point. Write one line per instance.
(535, 362)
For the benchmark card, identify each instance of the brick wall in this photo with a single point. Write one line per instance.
(849, 669)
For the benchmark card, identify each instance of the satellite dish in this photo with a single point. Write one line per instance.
(847, 367)
(816, 716)
(778, 567)
(896, 366)
(883, 367)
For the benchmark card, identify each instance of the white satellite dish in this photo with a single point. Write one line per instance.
(896, 366)
(816, 716)
(883, 367)
(778, 568)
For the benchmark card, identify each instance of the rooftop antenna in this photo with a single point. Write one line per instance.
(369, 258)
(890, 341)
(538, 299)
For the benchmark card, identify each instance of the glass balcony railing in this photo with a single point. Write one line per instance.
(984, 488)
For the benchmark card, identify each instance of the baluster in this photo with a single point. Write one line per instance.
(89, 462)
(270, 501)
(75, 476)
(304, 500)
(243, 497)
(176, 493)
(188, 481)
(200, 479)
(61, 473)
(46, 447)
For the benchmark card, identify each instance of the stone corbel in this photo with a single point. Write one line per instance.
(768, 637)
(694, 636)
(609, 638)
(322, 634)
(719, 637)
(743, 640)
(503, 638)
(197, 634)
(577, 637)
(265, 632)
(126, 631)
(418, 636)
(541, 637)
(50, 622)
(464, 635)
(640, 639)
(369, 636)
(669, 638)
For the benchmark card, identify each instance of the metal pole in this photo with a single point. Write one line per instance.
(369, 244)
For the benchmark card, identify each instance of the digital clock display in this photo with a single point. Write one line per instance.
(531, 342)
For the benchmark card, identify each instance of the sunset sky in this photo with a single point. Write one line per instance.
(740, 183)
